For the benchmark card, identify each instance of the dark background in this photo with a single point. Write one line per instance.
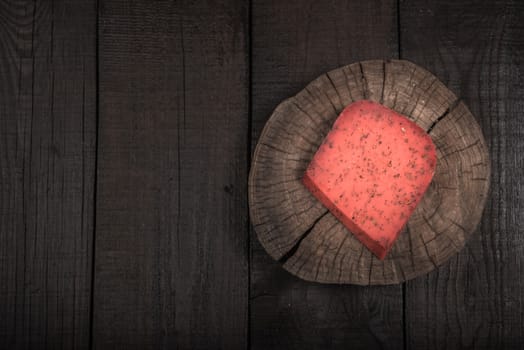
(126, 129)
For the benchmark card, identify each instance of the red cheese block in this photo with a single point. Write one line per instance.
(371, 171)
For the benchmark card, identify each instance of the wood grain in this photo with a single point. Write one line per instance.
(47, 157)
(172, 265)
(477, 299)
(293, 43)
(171, 245)
(295, 228)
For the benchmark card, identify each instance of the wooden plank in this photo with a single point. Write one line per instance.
(477, 299)
(293, 42)
(171, 244)
(47, 158)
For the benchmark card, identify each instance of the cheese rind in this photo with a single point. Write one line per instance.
(371, 171)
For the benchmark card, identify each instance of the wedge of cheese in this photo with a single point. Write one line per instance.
(371, 171)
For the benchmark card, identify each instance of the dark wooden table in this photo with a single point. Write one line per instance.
(126, 130)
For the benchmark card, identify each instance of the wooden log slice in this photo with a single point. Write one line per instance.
(298, 230)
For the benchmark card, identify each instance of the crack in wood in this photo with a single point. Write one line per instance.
(424, 91)
(336, 223)
(412, 258)
(446, 155)
(295, 247)
(271, 185)
(344, 71)
(410, 83)
(336, 256)
(297, 106)
(370, 269)
(361, 254)
(340, 100)
(384, 63)
(451, 107)
(365, 87)
(268, 145)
